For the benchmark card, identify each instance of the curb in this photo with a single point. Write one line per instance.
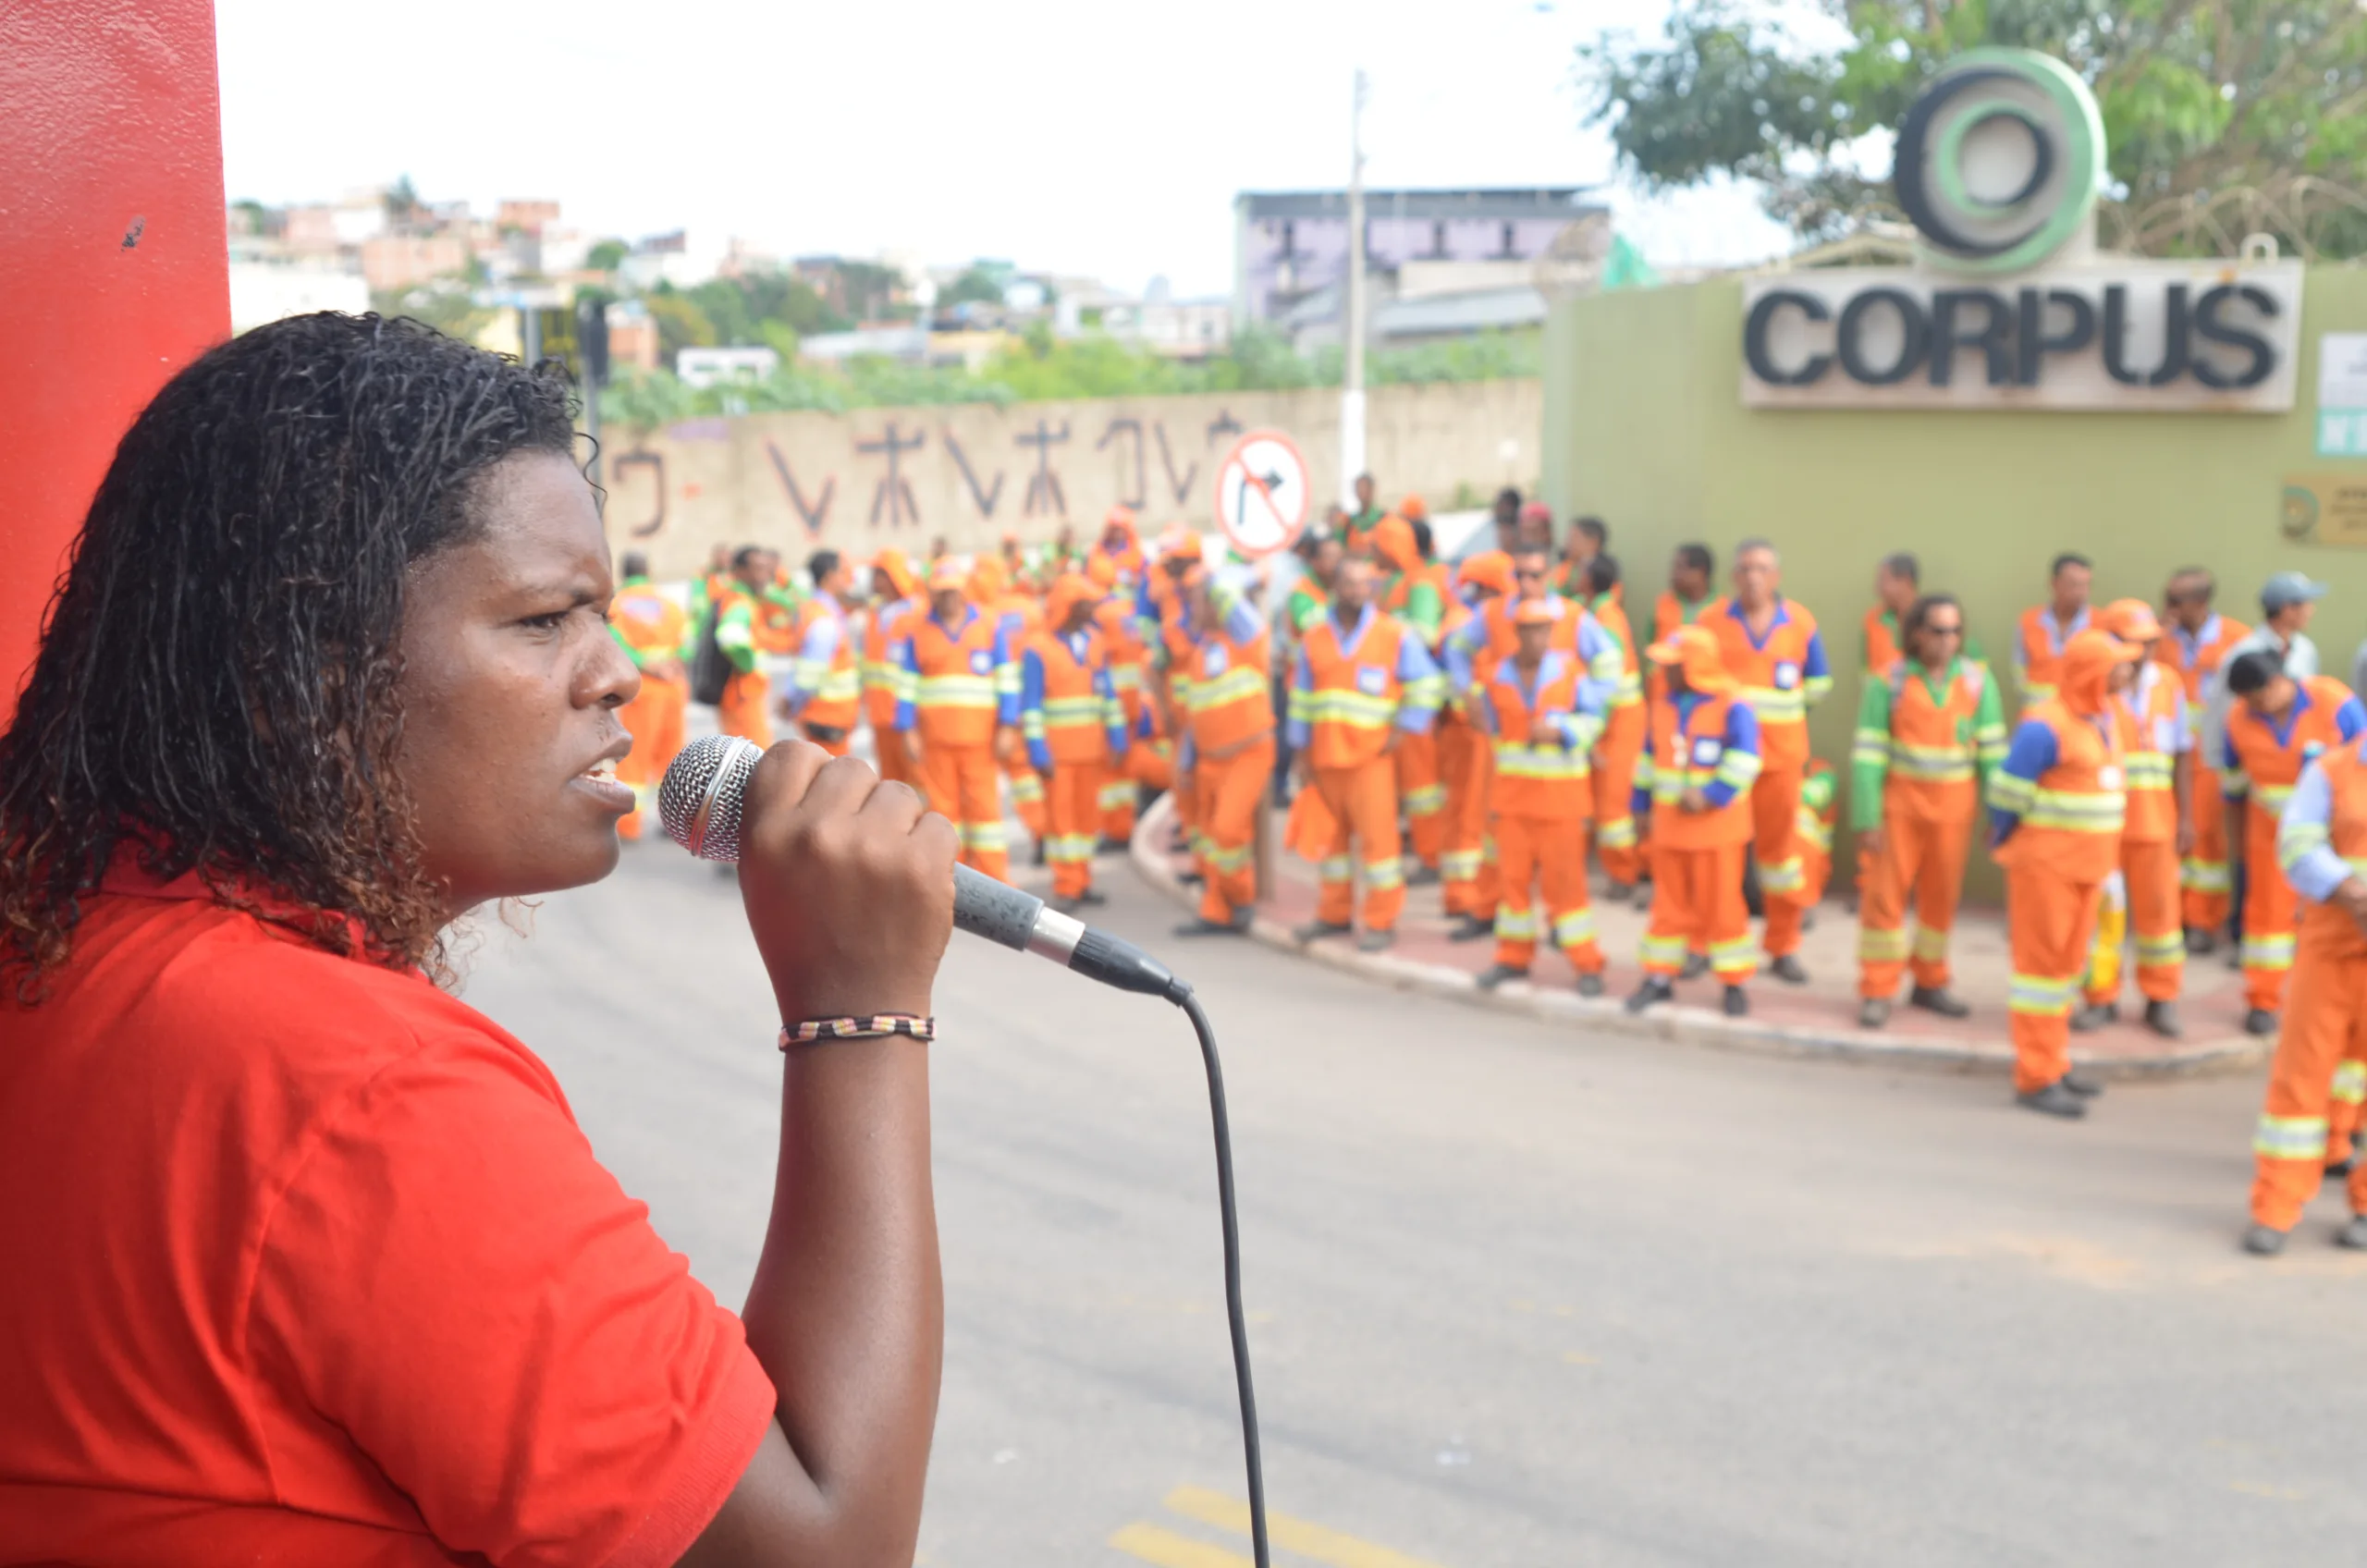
(1677, 1021)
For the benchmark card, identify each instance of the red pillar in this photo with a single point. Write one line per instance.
(113, 269)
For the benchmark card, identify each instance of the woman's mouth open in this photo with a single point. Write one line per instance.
(600, 780)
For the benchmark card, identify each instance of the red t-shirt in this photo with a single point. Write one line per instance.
(301, 1260)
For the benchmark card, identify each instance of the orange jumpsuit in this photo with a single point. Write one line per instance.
(1812, 829)
(1074, 728)
(1544, 797)
(1350, 690)
(1706, 739)
(1626, 727)
(956, 708)
(2152, 716)
(2058, 802)
(1417, 597)
(1228, 745)
(2261, 762)
(2314, 1079)
(1017, 617)
(1920, 747)
(885, 683)
(1879, 652)
(2205, 881)
(1783, 673)
(832, 682)
(652, 629)
(759, 630)
(2038, 650)
(1145, 765)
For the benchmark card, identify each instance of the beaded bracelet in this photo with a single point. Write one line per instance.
(878, 1026)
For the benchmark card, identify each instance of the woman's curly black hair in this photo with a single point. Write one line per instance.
(217, 682)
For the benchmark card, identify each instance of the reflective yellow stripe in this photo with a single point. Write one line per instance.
(2290, 1137)
(1775, 707)
(955, 691)
(1233, 686)
(1538, 762)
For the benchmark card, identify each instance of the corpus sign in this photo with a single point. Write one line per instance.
(1262, 493)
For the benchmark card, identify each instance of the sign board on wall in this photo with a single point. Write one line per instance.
(2342, 394)
(1999, 161)
(2321, 508)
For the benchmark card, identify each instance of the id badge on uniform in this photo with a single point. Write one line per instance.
(1212, 661)
(1787, 675)
(981, 662)
(1372, 680)
(1706, 752)
(2311, 751)
(2108, 779)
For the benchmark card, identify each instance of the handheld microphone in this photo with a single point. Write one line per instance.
(703, 796)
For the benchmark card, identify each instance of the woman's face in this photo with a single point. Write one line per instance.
(511, 689)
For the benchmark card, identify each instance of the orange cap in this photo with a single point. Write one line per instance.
(2131, 620)
(1693, 650)
(1413, 507)
(987, 582)
(1489, 568)
(893, 561)
(1182, 541)
(1392, 540)
(1068, 590)
(1101, 571)
(1537, 612)
(947, 574)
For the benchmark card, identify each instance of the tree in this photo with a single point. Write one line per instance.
(607, 255)
(2219, 115)
(680, 323)
(975, 286)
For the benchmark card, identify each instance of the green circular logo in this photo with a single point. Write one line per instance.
(2000, 160)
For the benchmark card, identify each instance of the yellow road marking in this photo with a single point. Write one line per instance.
(1168, 1550)
(1290, 1535)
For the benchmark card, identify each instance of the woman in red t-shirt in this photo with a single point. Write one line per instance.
(306, 1260)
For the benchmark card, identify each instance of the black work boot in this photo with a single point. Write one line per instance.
(2260, 1021)
(2162, 1019)
(1788, 969)
(1589, 985)
(1695, 966)
(1872, 1013)
(2054, 1100)
(2079, 1084)
(1309, 930)
(2094, 1016)
(2354, 1234)
(1471, 929)
(1736, 1002)
(1655, 989)
(1496, 974)
(1932, 998)
(2264, 1241)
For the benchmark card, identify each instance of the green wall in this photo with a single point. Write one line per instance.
(1644, 427)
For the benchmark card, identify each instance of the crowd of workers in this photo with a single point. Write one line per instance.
(2168, 776)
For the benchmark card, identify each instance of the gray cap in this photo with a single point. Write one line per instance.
(2287, 589)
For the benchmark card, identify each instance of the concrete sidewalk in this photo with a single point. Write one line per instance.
(1819, 1018)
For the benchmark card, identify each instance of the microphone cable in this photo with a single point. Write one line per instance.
(1236, 1318)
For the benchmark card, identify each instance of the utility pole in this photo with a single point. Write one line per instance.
(1352, 394)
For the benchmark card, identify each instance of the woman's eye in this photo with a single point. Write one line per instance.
(550, 623)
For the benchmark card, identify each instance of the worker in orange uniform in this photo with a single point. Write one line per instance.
(2157, 765)
(1226, 747)
(2045, 629)
(755, 625)
(1690, 591)
(1121, 544)
(955, 714)
(1412, 594)
(2057, 804)
(1772, 647)
(2276, 726)
(1898, 579)
(823, 695)
(1487, 638)
(1147, 767)
(1541, 716)
(1167, 642)
(1307, 832)
(2197, 641)
(1695, 781)
(1361, 679)
(1075, 732)
(2322, 851)
(1930, 731)
(895, 594)
(654, 634)
(1588, 538)
(1017, 618)
(1467, 763)
(1627, 729)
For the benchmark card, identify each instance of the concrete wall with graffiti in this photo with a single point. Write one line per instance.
(968, 473)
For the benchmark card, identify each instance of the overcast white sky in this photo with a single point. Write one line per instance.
(1072, 134)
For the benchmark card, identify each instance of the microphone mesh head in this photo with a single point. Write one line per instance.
(700, 797)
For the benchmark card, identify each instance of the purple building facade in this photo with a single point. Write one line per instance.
(1289, 245)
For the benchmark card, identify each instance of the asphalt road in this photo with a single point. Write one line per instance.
(1521, 1296)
